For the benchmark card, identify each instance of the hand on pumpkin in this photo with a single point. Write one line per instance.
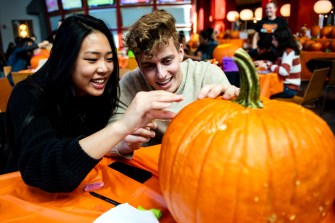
(214, 90)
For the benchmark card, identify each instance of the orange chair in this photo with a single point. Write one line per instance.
(5, 91)
(19, 76)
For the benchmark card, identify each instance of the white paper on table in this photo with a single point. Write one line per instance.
(125, 213)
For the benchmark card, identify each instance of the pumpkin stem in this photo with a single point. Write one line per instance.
(249, 89)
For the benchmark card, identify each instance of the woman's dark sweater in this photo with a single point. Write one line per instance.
(46, 147)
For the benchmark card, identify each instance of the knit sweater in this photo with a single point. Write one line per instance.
(289, 67)
(195, 76)
(48, 152)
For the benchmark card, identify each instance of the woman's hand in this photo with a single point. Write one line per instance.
(214, 90)
(147, 106)
(141, 135)
(261, 64)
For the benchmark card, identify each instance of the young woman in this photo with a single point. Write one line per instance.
(288, 65)
(57, 118)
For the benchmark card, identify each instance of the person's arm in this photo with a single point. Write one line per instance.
(145, 107)
(254, 40)
(284, 68)
(54, 163)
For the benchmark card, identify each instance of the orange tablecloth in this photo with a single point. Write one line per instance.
(306, 56)
(21, 203)
(270, 84)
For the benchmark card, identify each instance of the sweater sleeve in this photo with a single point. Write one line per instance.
(46, 159)
(283, 69)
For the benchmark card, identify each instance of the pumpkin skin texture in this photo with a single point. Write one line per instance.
(224, 162)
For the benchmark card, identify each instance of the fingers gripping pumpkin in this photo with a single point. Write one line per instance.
(247, 161)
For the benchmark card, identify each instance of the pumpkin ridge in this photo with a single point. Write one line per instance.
(187, 130)
(200, 127)
(200, 178)
(271, 176)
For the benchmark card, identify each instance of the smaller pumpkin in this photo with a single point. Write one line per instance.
(307, 45)
(332, 45)
(324, 42)
(325, 31)
(332, 33)
(234, 34)
(315, 30)
(224, 50)
(316, 46)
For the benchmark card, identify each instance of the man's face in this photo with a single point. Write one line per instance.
(270, 10)
(162, 71)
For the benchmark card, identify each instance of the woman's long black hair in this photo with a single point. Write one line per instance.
(54, 81)
(285, 40)
(55, 77)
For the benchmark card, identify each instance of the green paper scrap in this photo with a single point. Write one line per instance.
(131, 53)
(156, 212)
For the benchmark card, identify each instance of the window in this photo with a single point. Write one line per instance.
(71, 4)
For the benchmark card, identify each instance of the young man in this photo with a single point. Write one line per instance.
(159, 54)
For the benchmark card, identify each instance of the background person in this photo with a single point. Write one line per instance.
(57, 118)
(266, 26)
(288, 65)
(206, 47)
(264, 50)
(159, 54)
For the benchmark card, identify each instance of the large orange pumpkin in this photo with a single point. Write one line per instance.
(247, 161)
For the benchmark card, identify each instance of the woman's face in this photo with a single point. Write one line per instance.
(94, 65)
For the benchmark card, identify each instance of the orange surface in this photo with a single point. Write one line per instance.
(237, 42)
(42, 54)
(270, 84)
(22, 203)
(306, 56)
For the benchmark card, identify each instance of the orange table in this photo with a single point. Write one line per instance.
(306, 56)
(270, 84)
(21, 203)
(24, 204)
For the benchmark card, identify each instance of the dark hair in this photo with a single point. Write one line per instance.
(273, 2)
(285, 40)
(265, 43)
(181, 36)
(54, 78)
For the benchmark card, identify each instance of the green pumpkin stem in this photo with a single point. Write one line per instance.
(249, 89)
